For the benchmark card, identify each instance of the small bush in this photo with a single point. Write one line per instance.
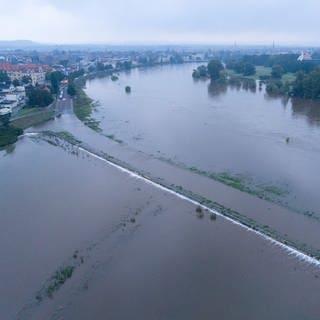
(213, 216)
(200, 213)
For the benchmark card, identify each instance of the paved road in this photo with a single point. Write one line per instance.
(63, 105)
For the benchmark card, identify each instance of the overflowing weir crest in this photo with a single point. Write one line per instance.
(291, 250)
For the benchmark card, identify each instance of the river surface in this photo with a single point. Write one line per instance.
(225, 130)
(139, 253)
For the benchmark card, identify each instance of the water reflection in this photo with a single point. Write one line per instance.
(284, 99)
(307, 109)
(249, 85)
(216, 89)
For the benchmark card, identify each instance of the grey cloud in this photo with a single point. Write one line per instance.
(166, 20)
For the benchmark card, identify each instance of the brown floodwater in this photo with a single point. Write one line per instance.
(217, 129)
(146, 253)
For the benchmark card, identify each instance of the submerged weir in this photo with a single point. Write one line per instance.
(135, 174)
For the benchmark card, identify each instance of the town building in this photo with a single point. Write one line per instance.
(37, 73)
(305, 56)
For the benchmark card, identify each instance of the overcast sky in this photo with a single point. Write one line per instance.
(162, 21)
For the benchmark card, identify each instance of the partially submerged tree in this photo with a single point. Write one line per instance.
(215, 69)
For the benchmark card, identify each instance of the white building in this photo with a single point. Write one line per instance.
(305, 56)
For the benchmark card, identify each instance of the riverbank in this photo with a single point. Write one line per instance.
(25, 118)
(83, 106)
(29, 117)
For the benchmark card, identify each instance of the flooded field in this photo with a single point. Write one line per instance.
(75, 247)
(265, 146)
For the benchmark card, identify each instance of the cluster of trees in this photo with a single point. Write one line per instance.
(176, 59)
(243, 67)
(277, 87)
(124, 65)
(38, 96)
(72, 91)
(55, 77)
(289, 62)
(200, 72)
(101, 67)
(277, 71)
(4, 78)
(5, 119)
(214, 70)
(307, 85)
(121, 65)
(75, 74)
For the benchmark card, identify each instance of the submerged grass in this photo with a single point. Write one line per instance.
(58, 279)
(112, 137)
(83, 107)
(56, 138)
(242, 183)
(67, 136)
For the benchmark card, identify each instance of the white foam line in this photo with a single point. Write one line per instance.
(30, 134)
(292, 251)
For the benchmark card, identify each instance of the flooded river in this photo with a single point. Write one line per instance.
(81, 239)
(138, 253)
(269, 146)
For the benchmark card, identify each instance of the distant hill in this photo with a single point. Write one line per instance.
(19, 44)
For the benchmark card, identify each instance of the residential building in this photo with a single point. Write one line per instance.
(37, 73)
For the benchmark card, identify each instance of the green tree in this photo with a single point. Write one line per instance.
(200, 72)
(55, 77)
(215, 69)
(71, 89)
(307, 85)
(248, 69)
(4, 78)
(75, 74)
(5, 118)
(26, 80)
(39, 97)
(298, 84)
(16, 82)
(277, 71)
(100, 66)
(64, 62)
